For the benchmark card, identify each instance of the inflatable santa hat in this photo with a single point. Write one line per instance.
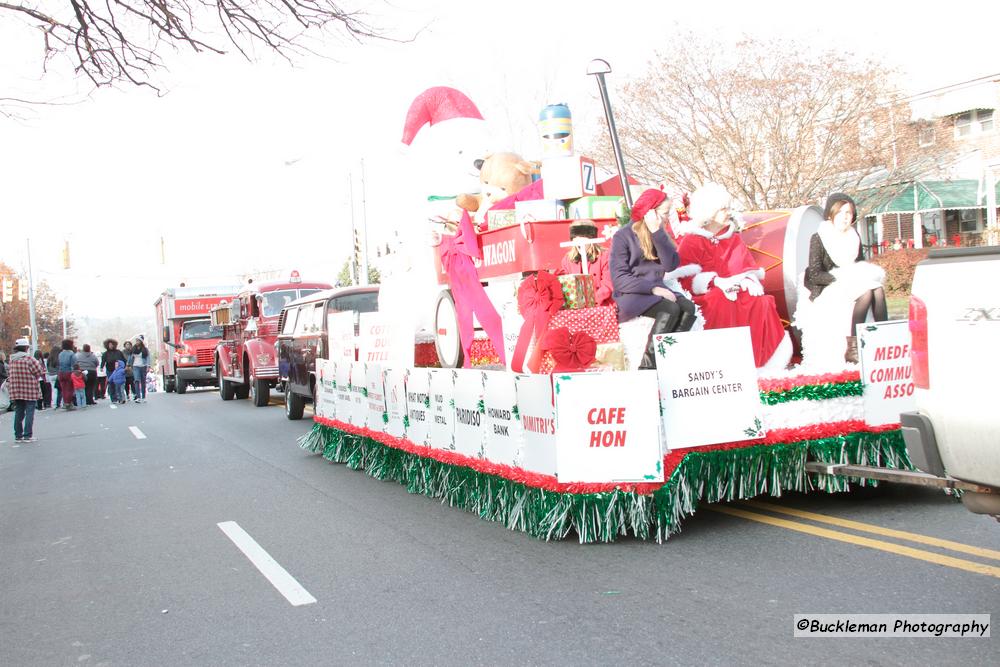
(435, 105)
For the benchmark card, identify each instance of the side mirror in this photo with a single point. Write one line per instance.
(166, 333)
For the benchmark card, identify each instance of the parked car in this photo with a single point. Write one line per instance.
(302, 338)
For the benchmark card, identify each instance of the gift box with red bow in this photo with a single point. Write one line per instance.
(578, 291)
(600, 323)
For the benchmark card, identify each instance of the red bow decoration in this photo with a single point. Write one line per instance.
(539, 297)
(571, 351)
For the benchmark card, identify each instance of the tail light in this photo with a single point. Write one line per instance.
(918, 346)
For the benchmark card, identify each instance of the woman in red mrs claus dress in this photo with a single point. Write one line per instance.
(728, 288)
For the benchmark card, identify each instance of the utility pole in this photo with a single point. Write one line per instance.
(31, 303)
(355, 263)
(364, 229)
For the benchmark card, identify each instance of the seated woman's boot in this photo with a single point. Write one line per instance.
(851, 355)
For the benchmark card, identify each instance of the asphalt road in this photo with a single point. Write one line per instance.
(111, 553)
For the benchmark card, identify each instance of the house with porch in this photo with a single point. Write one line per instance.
(950, 202)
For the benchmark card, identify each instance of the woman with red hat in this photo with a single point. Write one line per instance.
(641, 255)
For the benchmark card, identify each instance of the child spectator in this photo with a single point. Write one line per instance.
(79, 386)
(116, 383)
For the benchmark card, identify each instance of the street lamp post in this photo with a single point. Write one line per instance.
(599, 68)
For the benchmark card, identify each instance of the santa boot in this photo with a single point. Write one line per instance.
(851, 355)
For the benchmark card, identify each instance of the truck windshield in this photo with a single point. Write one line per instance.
(200, 330)
(275, 301)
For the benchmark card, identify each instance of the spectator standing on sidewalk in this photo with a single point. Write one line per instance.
(25, 372)
(127, 353)
(111, 356)
(67, 359)
(88, 363)
(140, 362)
(45, 401)
(52, 373)
(102, 379)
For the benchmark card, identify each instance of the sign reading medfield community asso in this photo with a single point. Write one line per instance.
(886, 371)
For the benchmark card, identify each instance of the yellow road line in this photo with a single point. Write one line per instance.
(879, 530)
(930, 557)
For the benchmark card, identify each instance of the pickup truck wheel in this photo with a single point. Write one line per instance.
(182, 386)
(294, 405)
(260, 391)
(225, 386)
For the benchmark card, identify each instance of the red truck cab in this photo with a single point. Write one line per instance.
(245, 359)
(186, 342)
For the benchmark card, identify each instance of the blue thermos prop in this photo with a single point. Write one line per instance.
(555, 123)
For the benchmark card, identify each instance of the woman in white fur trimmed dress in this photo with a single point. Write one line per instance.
(840, 288)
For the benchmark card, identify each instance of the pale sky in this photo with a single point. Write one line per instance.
(245, 166)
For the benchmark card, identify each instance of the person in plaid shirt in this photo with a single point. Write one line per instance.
(24, 373)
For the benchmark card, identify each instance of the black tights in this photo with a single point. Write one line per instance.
(668, 317)
(874, 300)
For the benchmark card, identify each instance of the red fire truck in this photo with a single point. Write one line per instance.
(245, 359)
(186, 340)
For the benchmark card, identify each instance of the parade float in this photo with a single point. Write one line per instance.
(539, 417)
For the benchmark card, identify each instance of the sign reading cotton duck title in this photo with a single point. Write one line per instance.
(886, 370)
(384, 341)
(607, 427)
(708, 387)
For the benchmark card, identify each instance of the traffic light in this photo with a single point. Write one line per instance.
(65, 254)
(22, 290)
(8, 289)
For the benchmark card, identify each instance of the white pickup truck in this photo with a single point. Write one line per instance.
(955, 329)
(953, 438)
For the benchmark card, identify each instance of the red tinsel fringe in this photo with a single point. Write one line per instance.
(784, 384)
(551, 483)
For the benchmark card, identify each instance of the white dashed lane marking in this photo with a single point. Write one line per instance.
(272, 571)
(139, 435)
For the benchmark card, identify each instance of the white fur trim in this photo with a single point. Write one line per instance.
(841, 246)
(760, 273)
(702, 281)
(685, 271)
(722, 235)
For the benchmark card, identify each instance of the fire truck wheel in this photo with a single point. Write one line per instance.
(225, 386)
(168, 385)
(182, 386)
(294, 405)
(446, 338)
(242, 391)
(260, 391)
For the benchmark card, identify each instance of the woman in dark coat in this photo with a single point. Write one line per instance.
(641, 255)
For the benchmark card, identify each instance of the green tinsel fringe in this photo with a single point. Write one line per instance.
(702, 476)
(813, 392)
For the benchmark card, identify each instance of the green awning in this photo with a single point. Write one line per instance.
(932, 195)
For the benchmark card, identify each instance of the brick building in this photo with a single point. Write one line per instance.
(953, 140)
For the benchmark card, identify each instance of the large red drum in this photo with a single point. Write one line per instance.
(779, 241)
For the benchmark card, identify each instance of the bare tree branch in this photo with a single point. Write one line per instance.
(112, 42)
(778, 124)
